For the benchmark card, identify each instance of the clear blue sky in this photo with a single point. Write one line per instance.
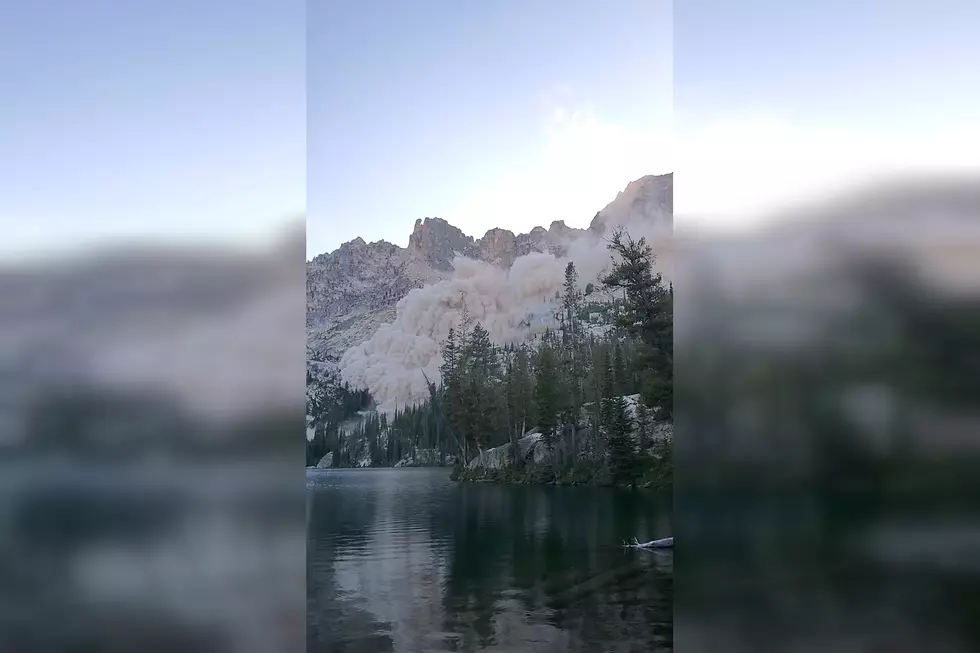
(508, 113)
(190, 118)
(177, 119)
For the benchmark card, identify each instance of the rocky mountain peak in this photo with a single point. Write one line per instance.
(438, 242)
(353, 290)
(498, 246)
(560, 232)
(646, 197)
(498, 234)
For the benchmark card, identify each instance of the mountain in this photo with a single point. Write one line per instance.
(646, 198)
(353, 290)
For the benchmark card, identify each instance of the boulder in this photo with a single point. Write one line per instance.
(530, 448)
(426, 458)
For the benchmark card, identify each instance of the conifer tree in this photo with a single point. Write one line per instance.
(453, 390)
(522, 388)
(649, 315)
(481, 399)
(608, 393)
(643, 426)
(546, 394)
(622, 457)
(571, 299)
(511, 401)
(619, 370)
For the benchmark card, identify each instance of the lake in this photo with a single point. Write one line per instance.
(406, 560)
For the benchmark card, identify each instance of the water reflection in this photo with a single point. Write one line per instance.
(404, 560)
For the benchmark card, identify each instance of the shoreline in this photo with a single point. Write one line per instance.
(651, 478)
(647, 478)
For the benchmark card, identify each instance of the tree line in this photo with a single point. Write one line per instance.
(571, 383)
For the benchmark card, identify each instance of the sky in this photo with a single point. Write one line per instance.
(193, 120)
(780, 102)
(177, 121)
(506, 114)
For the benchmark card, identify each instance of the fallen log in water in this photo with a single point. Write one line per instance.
(665, 543)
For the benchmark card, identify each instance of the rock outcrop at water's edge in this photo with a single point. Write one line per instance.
(426, 458)
(530, 449)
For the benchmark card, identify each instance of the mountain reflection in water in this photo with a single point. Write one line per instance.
(405, 560)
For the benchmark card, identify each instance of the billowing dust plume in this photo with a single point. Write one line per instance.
(513, 305)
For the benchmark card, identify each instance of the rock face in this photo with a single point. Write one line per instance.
(352, 291)
(426, 458)
(530, 448)
(437, 242)
(647, 196)
(361, 277)
(326, 461)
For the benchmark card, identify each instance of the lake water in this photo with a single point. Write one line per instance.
(406, 560)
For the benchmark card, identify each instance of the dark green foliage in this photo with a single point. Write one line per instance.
(577, 370)
(546, 394)
(656, 470)
(650, 472)
(484, 392)
(569, 385)
(643, 427)
(452, 383)
(619, 380)
(572, 298)
(649, 316)
(608, 392)
(622, 453)
(329, 410)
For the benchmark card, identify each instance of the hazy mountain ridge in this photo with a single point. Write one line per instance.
(353, 290)
(361, 276)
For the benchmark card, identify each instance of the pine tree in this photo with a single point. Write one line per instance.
(571, 300)
(643, 426)
(453, 391)
(649, 315)
(574, 354)
(622, 457)
(449, 357)
(608, 393)
(546, 394)
(511, 403)
(482, 373)
(619, 370)
(480, 351)
(515, 390)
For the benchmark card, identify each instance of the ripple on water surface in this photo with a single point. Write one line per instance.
(406, 560)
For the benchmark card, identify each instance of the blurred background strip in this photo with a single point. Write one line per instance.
(152, 326)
